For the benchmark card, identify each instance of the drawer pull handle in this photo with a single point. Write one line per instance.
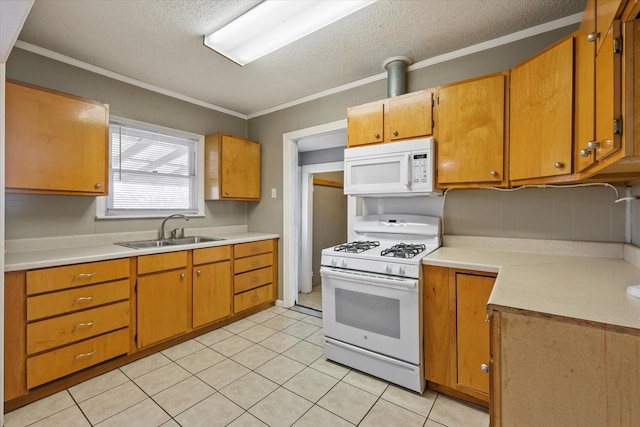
(84, 275)
(255, 279)
(255, 298)
(85, 325)
(255, 249)
(81, 299)
(83, 355)
(255, 263)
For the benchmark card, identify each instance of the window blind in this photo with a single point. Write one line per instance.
(151, 171)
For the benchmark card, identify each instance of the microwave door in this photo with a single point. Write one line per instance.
(378, 174)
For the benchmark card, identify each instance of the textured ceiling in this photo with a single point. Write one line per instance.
(160, 42)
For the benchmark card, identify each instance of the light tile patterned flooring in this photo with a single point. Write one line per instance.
(313, 299)
(267, 369)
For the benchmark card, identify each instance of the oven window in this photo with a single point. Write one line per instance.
(372, 313)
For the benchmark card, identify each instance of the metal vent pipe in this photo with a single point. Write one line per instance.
(396, 75)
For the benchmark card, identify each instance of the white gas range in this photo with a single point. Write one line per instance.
(372, 299)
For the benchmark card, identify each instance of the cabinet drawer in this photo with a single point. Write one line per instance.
(215, 254)
(252, 298)
(252, 263)
(58, 363)
(62, 302)
(252, 248)
(252, 279)
(62, 330)
(71, 276)
(161, 262)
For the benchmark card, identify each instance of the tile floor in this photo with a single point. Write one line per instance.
(313, 299)
(264, 370)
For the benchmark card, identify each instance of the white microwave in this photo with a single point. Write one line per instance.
(392, 169)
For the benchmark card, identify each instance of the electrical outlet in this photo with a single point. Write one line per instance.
(273, 193)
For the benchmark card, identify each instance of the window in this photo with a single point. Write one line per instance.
(152, 171)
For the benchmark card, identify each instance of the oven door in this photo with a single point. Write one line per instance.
(375, 312)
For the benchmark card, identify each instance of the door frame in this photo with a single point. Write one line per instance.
(292, 206)
(306, 220)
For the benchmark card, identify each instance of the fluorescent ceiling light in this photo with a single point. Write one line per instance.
(273, 24)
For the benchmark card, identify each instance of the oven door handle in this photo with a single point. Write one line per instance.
(370, 279)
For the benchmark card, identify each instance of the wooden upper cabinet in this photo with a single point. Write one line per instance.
(232, 168)
(471, 132)
(410, 115)
(55, 143)
(541, 119)
(393, 119)
(365, 124)
(606, 12)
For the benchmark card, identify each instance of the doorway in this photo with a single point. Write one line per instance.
(324, 224)
(307, 150)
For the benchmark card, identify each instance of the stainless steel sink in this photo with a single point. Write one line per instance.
(193, 239)
(144, 244)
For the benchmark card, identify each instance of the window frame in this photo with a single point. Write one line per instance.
(102, 207)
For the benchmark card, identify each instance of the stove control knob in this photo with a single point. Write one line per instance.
(344, 263)
(400, 271)
(334, 262)
(389, 269)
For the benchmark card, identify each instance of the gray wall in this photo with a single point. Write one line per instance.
(46, 215)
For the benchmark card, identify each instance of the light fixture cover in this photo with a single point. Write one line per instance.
(273, 24)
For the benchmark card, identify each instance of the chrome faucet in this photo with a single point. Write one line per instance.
(161, 231)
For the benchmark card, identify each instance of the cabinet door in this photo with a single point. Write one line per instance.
(211, 292)
(436, 325)
(410, 115)
(606, 12)
(608, 95)
(542, 114)
(240, 169)
(585, 90)
(471, 131)
(162, 306)
(365, 124)
(55, 143)
(472, 294)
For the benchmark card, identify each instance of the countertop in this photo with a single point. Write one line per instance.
(26, 254)
(551, 278)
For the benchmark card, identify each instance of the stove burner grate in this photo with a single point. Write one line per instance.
(357, 246)
(403, 250)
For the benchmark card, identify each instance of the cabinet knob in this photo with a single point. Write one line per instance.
(98, 185)
(493, 173)
(395, 133)
(226, 193)
(376, 135)
(182, 276)
(593, 36)
(584, 152)
(484, 368)
(558, 165)
(592, 145)
(198, 272)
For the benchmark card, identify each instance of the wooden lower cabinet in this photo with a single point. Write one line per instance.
(255, 277)
(456, 333)
(162, 296)
(558, 371)
(63, 325)
(211, 285)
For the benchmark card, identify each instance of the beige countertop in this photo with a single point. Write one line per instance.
(26, 254)
(554, 279)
